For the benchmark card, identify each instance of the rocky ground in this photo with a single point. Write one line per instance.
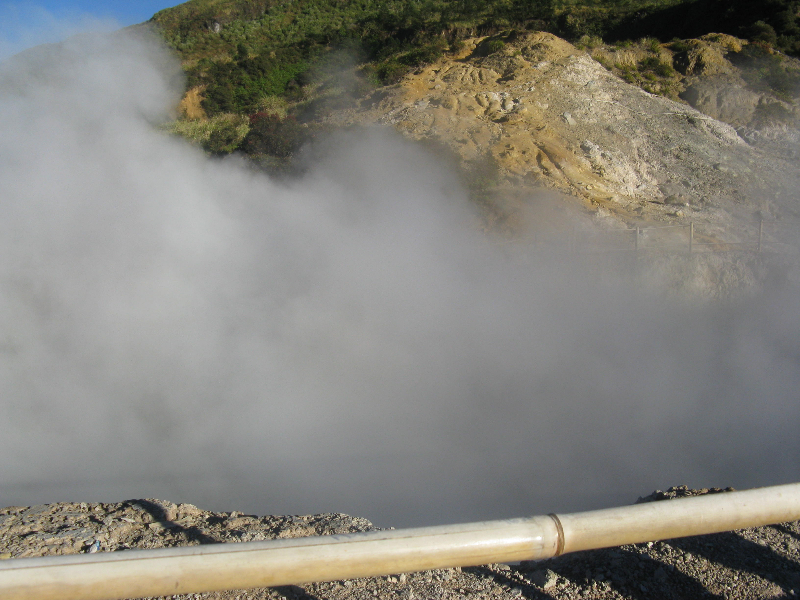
(754, 563)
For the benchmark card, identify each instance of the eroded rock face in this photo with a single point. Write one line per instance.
(707, 55)
(730, 85)
(549, 116)
(725, 99)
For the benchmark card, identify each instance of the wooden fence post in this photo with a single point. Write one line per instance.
(573, 242)
(760, 234)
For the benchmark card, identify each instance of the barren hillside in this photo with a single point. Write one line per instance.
(547, 114)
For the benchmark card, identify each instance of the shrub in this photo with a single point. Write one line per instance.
(589, 42)
(274, 105)
(238, 86)
(457, 46)
(273, 136)
(678, 45)
(761, 32)
(651, 44)
(219, 135)
(425, 54)
(657, 66)
(603, 60)
(765, 70)
(783, 82)
(226, 136)
(578, 21)
(491, 45)
(495, 46)
(627, 74)
(390, 71)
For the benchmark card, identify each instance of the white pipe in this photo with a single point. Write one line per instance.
(138, 573)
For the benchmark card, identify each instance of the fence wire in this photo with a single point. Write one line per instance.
(648, 239)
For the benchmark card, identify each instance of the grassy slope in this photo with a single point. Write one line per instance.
(392, 25)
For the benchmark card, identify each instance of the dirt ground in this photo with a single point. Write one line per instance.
(753, 563)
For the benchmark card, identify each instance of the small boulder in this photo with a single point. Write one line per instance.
(544, 578)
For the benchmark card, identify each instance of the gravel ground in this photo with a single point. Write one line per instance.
(756, 563)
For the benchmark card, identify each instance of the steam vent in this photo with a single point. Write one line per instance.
(427, 294)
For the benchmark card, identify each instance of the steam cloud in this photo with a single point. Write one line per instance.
(178, 327)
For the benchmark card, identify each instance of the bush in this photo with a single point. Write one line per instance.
(767, 71)
(274, 136)
(238, 86)
(678, 45)
(657, 66)
(589, 42)
(651, 44)
(390, 71)
(578, 21)
(221, 134)
(274, 105)
(457, 46)
(761, 32)
(425, 54)
(225, 137)
(627, 73)
(603, 60)
(495, 46)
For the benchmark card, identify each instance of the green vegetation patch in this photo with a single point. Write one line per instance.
(238, 86)
(221, 134)
(767, 71)
(646, 63)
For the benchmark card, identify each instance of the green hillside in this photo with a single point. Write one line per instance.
(260, 57)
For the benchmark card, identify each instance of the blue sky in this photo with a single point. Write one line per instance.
(29, 23)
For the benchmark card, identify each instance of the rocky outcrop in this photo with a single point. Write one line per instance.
(724, 98)
(707, 56)
(546, 115)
